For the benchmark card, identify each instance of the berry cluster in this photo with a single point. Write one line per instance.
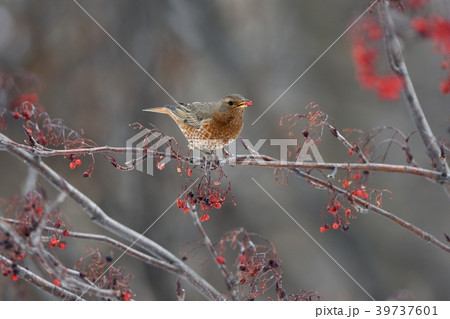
(437, 29)
(388, 87)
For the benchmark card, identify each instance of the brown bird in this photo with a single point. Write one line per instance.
(208, 125)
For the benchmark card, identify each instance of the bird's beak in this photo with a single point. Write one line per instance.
(244, 103)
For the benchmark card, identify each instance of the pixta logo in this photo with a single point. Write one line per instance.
(141, 146)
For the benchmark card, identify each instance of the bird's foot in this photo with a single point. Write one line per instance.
(226, 154)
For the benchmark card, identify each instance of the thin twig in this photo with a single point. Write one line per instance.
(37, 232)
(230, 279)
(346, 143)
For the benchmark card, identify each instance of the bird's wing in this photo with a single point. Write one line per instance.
(192, 114)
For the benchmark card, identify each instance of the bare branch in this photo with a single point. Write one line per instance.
(405, 169)
(7, 229)
(244, 160)
(41, 283)
(346, 143)
(110, 241)
(398, 65)
(375, 209)
(98, 216)
(230, 279)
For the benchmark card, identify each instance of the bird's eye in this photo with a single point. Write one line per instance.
(230, 103)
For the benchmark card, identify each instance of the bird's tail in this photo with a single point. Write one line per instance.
(162, 110)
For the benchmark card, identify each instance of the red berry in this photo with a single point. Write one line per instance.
(14, 277)
(53, 242)
(445, 87)
(364, 56)
(186, 210)
(364, 195)
(356, 176)
(345, 184)
(180, 203)
(375, 33)
(42, 140)
(204, 217)
(77, 162)
(348, 212)
(351, 152)
(126, 297)
(20, 256)
(322, 229)
(358, 192)
(38, 211)
(421, 26)
(62, 245)
(390, 87)
(220, 260)
(189, 172)
(335, 225)
(217, 205)
(16, 115)
(56, 282)
(337, 205)
(72, 165)
(332, 210)
(65, 232)
(26, 115)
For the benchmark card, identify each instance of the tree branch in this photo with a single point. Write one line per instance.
(230, 279)
(375, 209)
(41, 283)
(398, 65)
(110, 241)
(241, 160)
(98, 216)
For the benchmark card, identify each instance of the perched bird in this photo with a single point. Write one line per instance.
(208, 125)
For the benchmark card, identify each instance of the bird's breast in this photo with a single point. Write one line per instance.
(213, 134)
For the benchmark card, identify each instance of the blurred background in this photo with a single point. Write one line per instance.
(202, 51)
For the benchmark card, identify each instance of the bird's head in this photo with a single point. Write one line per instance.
(233, 102)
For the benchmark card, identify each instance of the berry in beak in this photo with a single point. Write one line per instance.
(245, 103)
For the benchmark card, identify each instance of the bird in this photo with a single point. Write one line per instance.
(208, 125)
